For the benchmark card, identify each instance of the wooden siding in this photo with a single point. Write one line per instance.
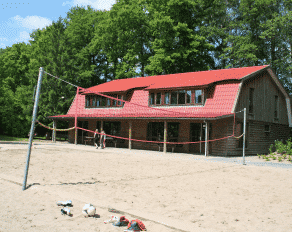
(264, 99)
(220, 129)
(259, 141)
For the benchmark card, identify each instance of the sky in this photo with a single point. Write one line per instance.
(19, 18)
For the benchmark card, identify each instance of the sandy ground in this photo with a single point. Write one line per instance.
(168, 192)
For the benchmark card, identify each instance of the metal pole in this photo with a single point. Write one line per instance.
(165, 136)
(77, 92)
(244, 130)
(130, 135)
(206, 138)
(54, 131)
(35, 109)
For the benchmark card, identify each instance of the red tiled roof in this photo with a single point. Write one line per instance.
(175, 80)
(221, 103)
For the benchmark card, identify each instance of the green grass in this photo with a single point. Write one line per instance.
(10, 138)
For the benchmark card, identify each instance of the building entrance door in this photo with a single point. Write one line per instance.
(197, 134)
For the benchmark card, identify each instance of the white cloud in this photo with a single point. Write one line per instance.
(24, 35)
(3, 39)
(32, 22)
(97, 4)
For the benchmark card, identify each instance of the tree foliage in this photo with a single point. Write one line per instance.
(139, 38)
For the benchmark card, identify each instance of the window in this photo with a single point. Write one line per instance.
(93, 101)
(267, 128)
(87, 99)
(158, 98)
(251, 99)
(108, 101)
(189, 96)
(115, 101)
(276, 115)
(182, 97)
(82, 124)
(98, 101)
(166, 98)
(197, 132)
(155, 131)
(172, 131)
(98, 123)
(173, 100)
(112, 128)
(198, 96)
(103, 99)
(120, 102)
(152, 99)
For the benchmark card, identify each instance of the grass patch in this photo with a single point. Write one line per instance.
(10, 138)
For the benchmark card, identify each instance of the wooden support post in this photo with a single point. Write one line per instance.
(77, 92)
(54, 131)
(201, 133)
(165, 136)
(130, 135)
(206, 139)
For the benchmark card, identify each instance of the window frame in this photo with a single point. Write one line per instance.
(103, 102)
(169, 95)
(276, 107)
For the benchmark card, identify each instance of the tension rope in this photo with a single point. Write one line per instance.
(118, 137)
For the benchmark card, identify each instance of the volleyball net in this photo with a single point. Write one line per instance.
(115, 136)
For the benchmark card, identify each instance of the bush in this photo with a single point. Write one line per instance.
(280, 147)
(289, 147)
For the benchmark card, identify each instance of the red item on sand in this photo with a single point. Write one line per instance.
(140, 224)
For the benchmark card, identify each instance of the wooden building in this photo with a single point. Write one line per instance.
(185, 107)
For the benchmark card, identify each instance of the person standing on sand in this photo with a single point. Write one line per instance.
(96, 137)
(102, 139)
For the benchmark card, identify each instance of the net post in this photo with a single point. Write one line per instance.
(244, 130)
(35, 109)
(54, 131)
(77, 92)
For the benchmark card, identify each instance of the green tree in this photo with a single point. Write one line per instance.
(15, 91)
(51, 51)
(176, 42)
(277, 35)
(88, 61)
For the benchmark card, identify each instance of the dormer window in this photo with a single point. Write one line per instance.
(152, 98)
(188, 96)
(198, 96)
(92, 101)
(166, 98)
(158, 98)
(173, 98)
(179, 97)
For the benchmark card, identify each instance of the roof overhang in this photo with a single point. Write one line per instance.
(63, 117)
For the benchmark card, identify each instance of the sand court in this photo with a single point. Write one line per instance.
(168, 192)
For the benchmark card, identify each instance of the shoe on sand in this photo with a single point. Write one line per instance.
(64, 203)
(66, 211)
